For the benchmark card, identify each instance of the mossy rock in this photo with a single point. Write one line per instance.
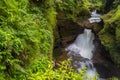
(110, 34)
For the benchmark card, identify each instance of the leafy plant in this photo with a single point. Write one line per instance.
(64, 72)
(25, 33)
(73, 9)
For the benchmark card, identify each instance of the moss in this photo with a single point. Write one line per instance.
(112, 16)
(110, 36)
(96, 4)
(107, 40)
(26, 34)
(73, 9)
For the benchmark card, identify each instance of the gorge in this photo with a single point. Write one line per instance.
(86, 51)
(59, 39)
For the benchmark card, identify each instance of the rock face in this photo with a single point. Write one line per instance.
(67, 32)
(110, 34)
(95, 26)
(111, 42)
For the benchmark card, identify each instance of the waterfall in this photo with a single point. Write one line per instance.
(94, 17)
(80, 51)
(83, 44)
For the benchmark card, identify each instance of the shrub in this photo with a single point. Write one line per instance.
(25, 33)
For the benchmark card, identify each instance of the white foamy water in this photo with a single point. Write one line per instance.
(90, 70)
(80, 51)
(83, 43)
(94, 17)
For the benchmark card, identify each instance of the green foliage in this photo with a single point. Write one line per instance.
(26, 39)
(110, 36)
(96, 4)
(115, 3)
(73, 9)
(77, 9)
(42, 69)
(46, 72)
(114, 78)
(25, 33)
(113, 16)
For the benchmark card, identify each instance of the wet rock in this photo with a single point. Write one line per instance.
(95, 26)
(107, 70)
(67, 31)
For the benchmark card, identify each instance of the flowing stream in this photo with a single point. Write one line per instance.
(80, 51)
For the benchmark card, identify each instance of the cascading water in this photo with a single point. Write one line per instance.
(83, 44)
(81, 54)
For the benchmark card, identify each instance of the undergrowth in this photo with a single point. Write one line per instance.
(26, 39)
(25, 34)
